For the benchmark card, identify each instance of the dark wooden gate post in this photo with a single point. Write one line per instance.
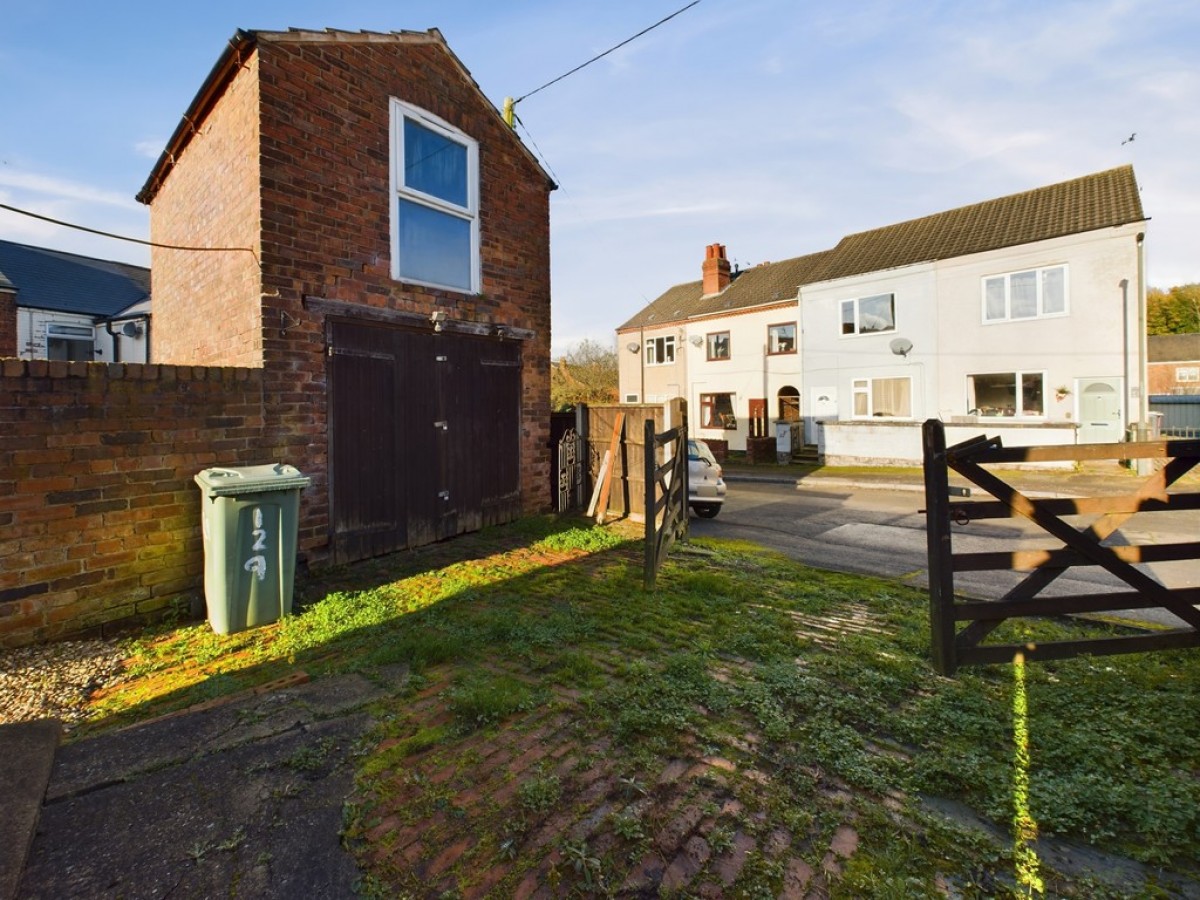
(941, 572)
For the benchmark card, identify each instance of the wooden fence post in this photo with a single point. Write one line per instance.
(941, 573)
(650, 566)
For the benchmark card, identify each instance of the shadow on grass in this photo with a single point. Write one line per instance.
(357, 617)
(803, 699)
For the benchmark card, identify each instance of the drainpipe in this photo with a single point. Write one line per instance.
(116, 336)
(1143, 353)
(642, 360)
(1144, 466)
(1126, 354)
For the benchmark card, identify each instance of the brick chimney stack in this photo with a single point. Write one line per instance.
(715, 269)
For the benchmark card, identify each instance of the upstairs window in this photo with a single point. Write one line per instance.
(781, 338)
(1032, 294)
(869, 315)
(660, 351)
(718, 345)
(435, 203)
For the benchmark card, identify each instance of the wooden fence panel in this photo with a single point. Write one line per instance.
(627, 496)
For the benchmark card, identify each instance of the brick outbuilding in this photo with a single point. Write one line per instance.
(378, 244)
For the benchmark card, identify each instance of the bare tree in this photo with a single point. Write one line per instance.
(585, 374)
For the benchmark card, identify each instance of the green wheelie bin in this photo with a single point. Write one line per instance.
(250, 523)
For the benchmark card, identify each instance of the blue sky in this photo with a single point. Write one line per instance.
(771, 126)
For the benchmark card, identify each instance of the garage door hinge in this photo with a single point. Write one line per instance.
(445, 495)
(441, 358)
(445, 426)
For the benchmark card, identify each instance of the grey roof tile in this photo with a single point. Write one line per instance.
(67, 282)
(1103, 200)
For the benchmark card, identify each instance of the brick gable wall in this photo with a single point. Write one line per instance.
(325, 122)
(206, 304)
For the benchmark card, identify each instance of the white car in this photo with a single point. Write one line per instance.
(706, 486)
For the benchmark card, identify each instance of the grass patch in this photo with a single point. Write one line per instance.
(558, 693)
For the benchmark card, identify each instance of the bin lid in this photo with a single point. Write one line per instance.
(226, 481)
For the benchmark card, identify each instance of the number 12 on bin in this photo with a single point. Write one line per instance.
(258, 564)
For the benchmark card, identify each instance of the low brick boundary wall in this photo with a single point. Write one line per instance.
(99, 516)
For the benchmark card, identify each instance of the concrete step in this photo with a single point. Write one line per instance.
(806, 453)
(27, 749)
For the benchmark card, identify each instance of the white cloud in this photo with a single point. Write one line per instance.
(46, 185)
(150, 149)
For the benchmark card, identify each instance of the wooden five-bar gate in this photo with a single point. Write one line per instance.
(666, 504)
(1081, 547)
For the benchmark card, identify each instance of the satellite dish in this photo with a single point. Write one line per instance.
(131, 329)
(901, 346)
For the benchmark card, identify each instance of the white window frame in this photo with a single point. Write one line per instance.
(651, 351)
(1039, 280)
(1019, 395)
(857, 305)
(400, 111)
(864, 387)
(1187, 374)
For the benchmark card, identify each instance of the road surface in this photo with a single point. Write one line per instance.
(882, 532)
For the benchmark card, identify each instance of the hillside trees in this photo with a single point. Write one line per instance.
(1176, 311)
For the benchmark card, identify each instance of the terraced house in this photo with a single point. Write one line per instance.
(1018, 316)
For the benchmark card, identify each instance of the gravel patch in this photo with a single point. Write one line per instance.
(55, 680)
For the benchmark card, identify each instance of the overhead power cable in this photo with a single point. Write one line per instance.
(606, 52)
(121, 237)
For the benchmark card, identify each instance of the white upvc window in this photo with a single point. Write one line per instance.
(882, 398)
(1031, 294)
(869, 315)
(660, 351)
(1187, 374)
(435, 201)
(1007, 394)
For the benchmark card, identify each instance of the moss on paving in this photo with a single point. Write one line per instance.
(773, 704)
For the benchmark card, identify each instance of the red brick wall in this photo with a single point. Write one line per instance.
(99, 516)
(1162, 378)
(8, 323)
(206, 304)
(318, 175)
(325, 181)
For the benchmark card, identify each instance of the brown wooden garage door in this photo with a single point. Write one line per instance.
(424, 436)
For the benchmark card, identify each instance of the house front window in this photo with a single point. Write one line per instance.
(886, 398)
(781, 338)
(869, 315)
(435, 202)
(716, 411)
(1187, 374)
(73, 343)
(1003, 394)
(660, 351)
(1033, 294)
(718, 345)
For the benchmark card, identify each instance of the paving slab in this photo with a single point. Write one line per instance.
(27, 749)
(240, 799)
